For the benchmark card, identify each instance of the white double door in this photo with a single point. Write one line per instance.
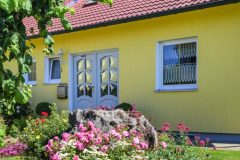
(95, 80)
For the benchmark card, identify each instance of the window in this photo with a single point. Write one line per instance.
(52, 70)
(89, 2)
(31, 78)
(177, 65)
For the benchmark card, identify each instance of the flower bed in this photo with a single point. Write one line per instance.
(45, 137)
(14, 149)
(89, 142)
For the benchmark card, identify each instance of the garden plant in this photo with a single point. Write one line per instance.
(50, 136)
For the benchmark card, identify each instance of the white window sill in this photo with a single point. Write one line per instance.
(52, 82)
(33, 83)
(176, 90)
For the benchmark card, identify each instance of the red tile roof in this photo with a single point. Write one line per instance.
(89, 16)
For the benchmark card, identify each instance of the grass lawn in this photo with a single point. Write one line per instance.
(224, 155)
(214, 155)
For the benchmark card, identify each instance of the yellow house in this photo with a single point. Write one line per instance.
(177, 60)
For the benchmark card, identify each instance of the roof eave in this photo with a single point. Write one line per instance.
(142, 17)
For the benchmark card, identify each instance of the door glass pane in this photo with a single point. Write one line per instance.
(113, 76)
(104, 90)
(88, 64)
(81, 79)
(80, 65)
(113, 89)
(104, 76)
(80, 91)
(104, 63)
(113, 62)
(89, 90)
(88, 77)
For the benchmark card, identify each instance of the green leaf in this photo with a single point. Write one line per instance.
(28, 59)
(110, 2)
(49, 40)
(14, 38)
(1, 51)
(21, 78)
(23, 68)
(8, 86)
(7, 5)
(20, 97)
(1, 76)
(26, 5)
(72, 11)
(66, 24)
(10, 19)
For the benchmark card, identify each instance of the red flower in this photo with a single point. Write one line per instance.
(44, 114)
(42, 120)
(165, 127)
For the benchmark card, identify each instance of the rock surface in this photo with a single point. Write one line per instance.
(106, 120)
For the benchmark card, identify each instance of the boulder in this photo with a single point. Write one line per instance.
(106, 120)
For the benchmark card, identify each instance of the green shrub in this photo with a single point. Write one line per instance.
(2, 131)
(39, 130)
(43, 107)
(178, 146)
(17, 121)
(126, 107)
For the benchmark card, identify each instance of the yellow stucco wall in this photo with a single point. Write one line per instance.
(214, 107)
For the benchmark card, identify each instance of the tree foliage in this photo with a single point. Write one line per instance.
(14, 46)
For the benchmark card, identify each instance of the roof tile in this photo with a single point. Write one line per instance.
(122, 9)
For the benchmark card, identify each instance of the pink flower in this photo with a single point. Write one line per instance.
(56, 157)
(80, 146)
(133, 108)
(113, 132)
(202, 143)
(165, 127)
(181, 127)
(91, 125)
(79, 135)
(197, 138)
(84, 139)
(56, 138)
(106, 137)
(136, 140)
(76, 157)
(143, 145)
(187, 129)
(50, 143)
(207, 140)
(134, 132)
(82, 128)
(125, 133)
(118, 136)
(90, 135)
(65, 136)
(104, 148)
(189, 142)
(98, 140)
(164, 145)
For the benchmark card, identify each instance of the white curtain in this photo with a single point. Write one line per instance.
(55, 69)
(179, 64)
